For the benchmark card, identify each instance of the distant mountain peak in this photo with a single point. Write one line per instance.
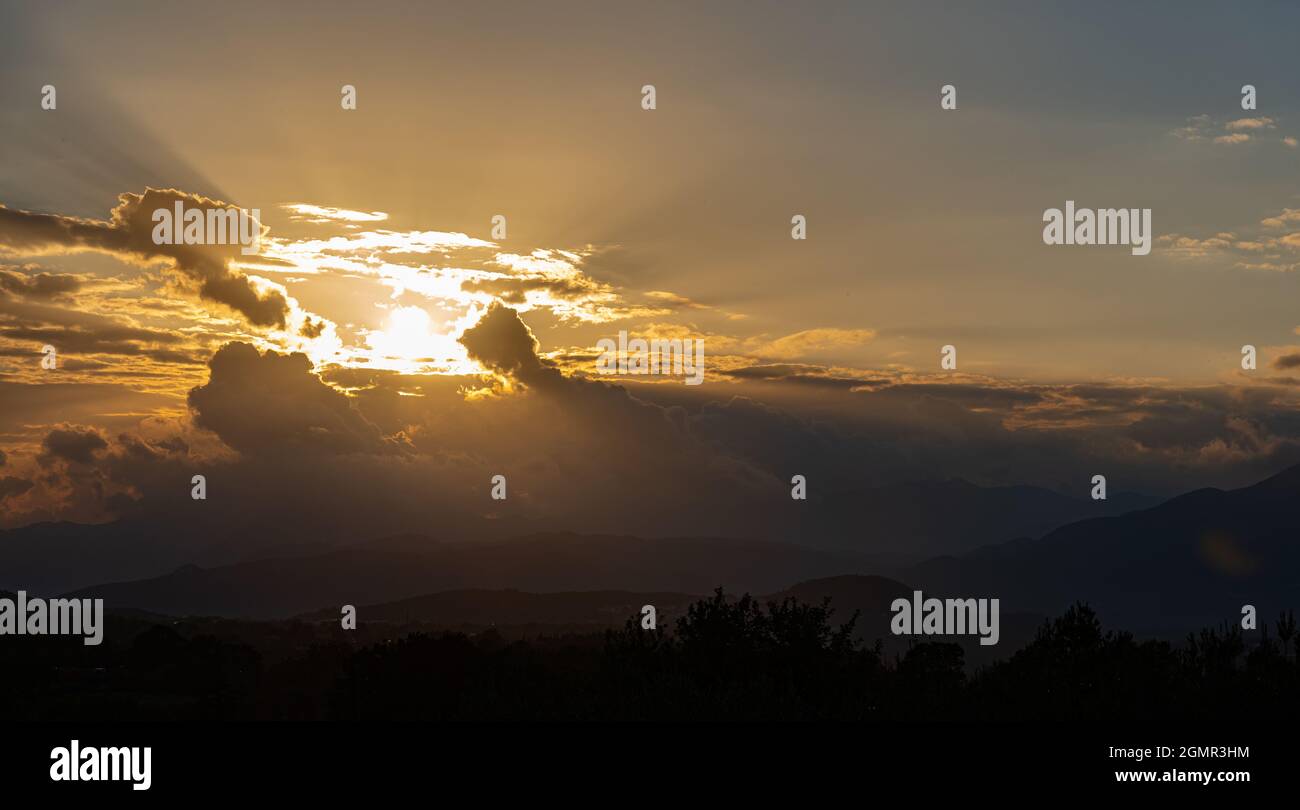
(1288, 479)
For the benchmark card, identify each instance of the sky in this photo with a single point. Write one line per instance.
(434, 353)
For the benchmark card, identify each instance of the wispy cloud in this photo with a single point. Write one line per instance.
(1227, 133)
(1271, 245)
(305, 212)
(1249, 124)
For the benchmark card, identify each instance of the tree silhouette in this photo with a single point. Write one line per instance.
(725, 658)
(1286, 628)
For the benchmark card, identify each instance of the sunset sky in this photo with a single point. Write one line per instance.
(379, 264)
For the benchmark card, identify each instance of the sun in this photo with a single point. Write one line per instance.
(411, 342)
(409, 330)
(407, 335)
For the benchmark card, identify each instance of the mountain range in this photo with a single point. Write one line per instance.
(1191, 561)
(881, 528)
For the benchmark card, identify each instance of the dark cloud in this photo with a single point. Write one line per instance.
(129, 233)
(28, 282)
(976, 395)
(1185, 426)
(503, 343)
(1287, 361)
(111, 339)
(800, 374)
(772, 371)
(11, 486)
(77, 444)
(1149, 438)
(270, 403)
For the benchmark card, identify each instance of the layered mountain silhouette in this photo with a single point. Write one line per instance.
(886, 526)
(1189, 562)
(1192, 561)
(52, 557)
(928, 518)
(408, 566)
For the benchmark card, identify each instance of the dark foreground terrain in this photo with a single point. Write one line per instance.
(722, 658)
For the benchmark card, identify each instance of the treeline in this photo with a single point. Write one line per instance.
(726, 659)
